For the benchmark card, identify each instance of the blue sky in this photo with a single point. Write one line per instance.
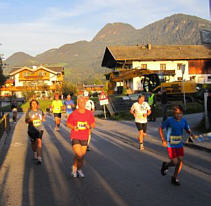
(34, 26)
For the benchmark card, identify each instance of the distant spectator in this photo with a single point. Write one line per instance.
(164, 102)
(209, 107)
(14, 108)
(152, 104)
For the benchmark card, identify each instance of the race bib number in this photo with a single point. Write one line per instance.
(81, 125)
(175, 139)
(140, 116)
(37, 122)
(69, 107)
(57, 108)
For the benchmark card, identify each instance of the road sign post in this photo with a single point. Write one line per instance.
(205, 111)
(183, 83)
(103, 101)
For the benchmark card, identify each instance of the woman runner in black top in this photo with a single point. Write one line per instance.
(34, 118)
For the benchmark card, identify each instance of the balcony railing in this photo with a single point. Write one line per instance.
(32, 88)
(28, 78)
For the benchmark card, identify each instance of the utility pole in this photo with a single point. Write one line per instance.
(1, 71)
(183, 84)
(2, 80)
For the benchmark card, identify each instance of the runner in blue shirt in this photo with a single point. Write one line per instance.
(69, 104)
(174, 142)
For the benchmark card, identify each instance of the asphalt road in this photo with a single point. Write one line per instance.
(117, 173)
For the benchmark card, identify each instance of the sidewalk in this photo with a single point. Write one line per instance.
(204, 140)
(202, 143)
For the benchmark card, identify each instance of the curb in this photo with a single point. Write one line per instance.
(3, 140)
(198, 147)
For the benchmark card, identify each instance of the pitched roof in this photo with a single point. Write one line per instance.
(56, 69)
(155, 53)
(50, 69)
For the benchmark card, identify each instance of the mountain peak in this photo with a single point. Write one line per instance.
(113, 30)
(20, 59)
(20, 54)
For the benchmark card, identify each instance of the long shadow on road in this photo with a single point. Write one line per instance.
(7, 143)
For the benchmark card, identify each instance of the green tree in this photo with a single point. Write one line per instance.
(69, 88)
(2, 77)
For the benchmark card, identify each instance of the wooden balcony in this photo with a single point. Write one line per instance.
(33, 78)
(31, 88)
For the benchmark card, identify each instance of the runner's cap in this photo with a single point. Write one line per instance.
(86, 93)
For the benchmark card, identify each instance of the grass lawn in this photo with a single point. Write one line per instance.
(191, 108)
(44, 104)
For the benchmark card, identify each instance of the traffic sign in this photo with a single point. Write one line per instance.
(103, 99)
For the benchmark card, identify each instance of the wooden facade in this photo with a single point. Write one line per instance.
(37, 79)
(199, 67)
(40, 74)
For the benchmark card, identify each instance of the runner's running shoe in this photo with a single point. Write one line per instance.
(164, 168)
(74, 172)
(39, 160)
(175, 181)
(141, 147)
(35, 155)
(80, 173)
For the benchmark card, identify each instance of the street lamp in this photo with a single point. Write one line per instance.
(183, 84)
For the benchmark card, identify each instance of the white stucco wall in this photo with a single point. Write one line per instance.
(170, 65)
(53, 77)
(17, 82)
(137, 83)
(203, 78)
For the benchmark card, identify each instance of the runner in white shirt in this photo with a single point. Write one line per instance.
(90, 105)
(141, 110)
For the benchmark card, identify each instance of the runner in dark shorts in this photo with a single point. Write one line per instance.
(34, 118)
(81, 121)
(140, 110)
(141, 126)
(57, 107)
(174, 142)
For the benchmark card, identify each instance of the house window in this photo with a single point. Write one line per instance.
(40, 73)
(179, 66)
(143, 66)
(192, 77)
(162, 66)
(26, 74)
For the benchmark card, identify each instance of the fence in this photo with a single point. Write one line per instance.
(4, 125)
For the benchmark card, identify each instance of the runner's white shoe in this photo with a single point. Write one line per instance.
(39, 160)
(80, 173)
(74, 172)
(35, 155)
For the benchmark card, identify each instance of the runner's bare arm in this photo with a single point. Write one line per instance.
(43, 118)
(162, 137)
(132, 112)
(191, 133)
(147, 114)
(72, 127)
(90, 126)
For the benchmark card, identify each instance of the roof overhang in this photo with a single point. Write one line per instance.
(33, 70)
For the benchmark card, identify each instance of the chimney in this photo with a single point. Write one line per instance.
(149, 46)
